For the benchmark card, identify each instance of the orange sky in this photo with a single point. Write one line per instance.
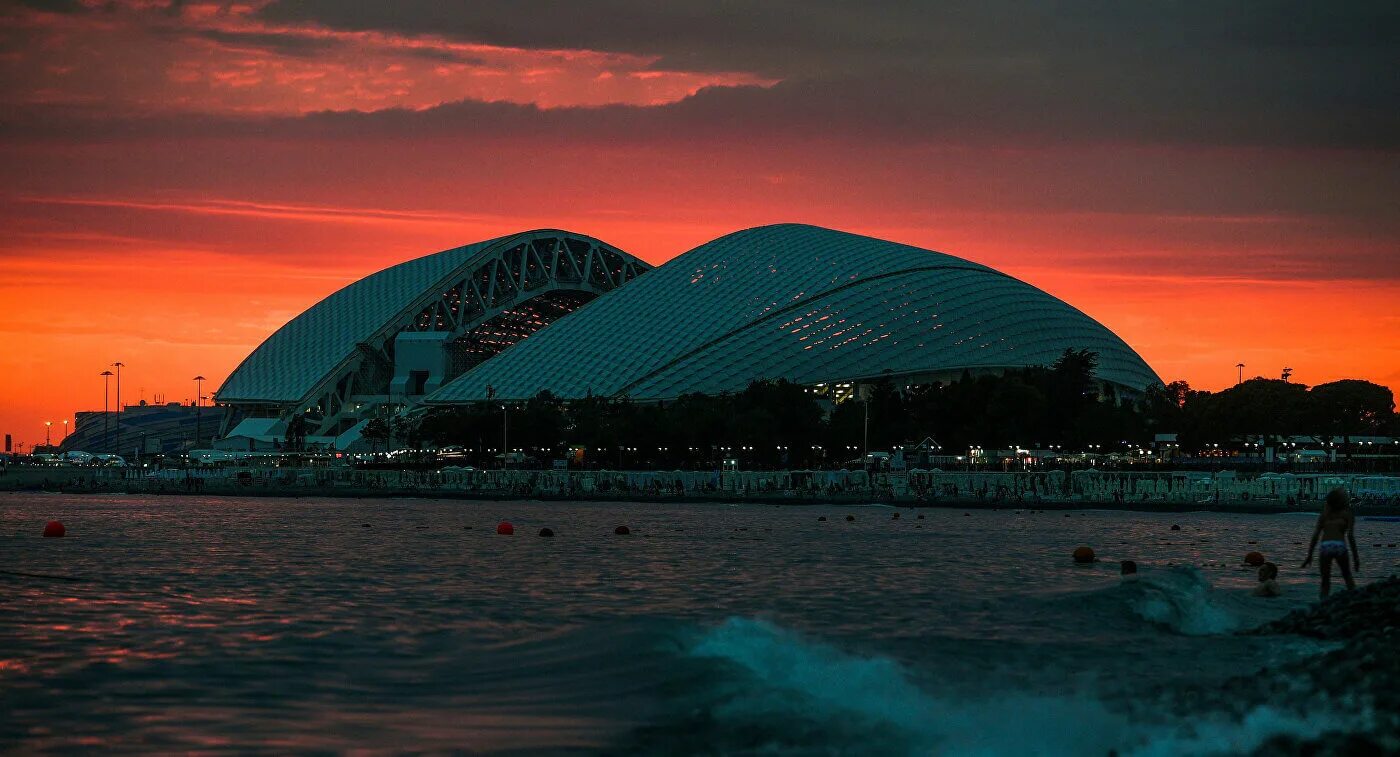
(178, 184)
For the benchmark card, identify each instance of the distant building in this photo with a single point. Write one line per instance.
(389, 339)
(145, 430)
(551, 310)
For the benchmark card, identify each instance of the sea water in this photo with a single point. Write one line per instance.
(276, 625)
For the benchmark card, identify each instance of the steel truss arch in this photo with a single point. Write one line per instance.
(495, 296)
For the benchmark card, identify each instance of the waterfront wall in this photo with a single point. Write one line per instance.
(1087, 486)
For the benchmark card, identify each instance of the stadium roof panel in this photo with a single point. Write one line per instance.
(798, 302)
(296, 359)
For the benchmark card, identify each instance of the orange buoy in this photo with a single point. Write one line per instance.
(54, 529)
(546, 532)
(622, 530)
(504, 528)
(1254, 559)
(1083, 555)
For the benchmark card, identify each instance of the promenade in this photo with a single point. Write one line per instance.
(1055, 489)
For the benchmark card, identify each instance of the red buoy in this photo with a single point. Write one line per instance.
(622, 530)
(1254, 559)
(504, 528)
(1083, 555)
(54, 529)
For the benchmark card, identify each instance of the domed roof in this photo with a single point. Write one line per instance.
(804, 303)
(328, 336)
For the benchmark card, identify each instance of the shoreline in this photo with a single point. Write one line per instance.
(854, 499)
(1160, 493)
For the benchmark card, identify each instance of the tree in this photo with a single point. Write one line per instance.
(1014, 412)
(1350, 407)
(376, 431)
(1259, 406)
(1164, 406)
(406, 430)
(1071, 388)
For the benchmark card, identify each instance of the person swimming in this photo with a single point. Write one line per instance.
(1268, 581)
(1336, 527)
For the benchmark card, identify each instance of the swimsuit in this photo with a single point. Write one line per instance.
(1332, 548)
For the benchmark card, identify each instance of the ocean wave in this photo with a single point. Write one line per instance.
(1178, 600)
(750, 686)
(1182, 600)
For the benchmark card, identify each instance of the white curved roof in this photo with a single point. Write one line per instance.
(798, 302)
(297, 357)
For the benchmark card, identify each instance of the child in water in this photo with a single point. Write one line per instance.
(1336, 526)
(1268, 581)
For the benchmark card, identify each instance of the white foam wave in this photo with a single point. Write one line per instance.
(792, 678)
(1183, 600)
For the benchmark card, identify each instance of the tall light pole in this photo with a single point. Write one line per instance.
(119, 365)
(47, 425)
(106, 379)
(865, 428)
(505, 435)
(65, 430)
(198, 405)
(1240, 378)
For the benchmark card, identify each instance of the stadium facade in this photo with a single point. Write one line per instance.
(393, 337)
(822, 308)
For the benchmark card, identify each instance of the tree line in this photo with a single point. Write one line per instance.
(780, 424)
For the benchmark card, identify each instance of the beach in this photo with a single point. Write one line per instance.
(177, 623)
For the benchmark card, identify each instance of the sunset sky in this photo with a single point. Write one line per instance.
(1216, 182)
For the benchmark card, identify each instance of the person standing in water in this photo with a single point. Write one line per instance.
(1336, 527)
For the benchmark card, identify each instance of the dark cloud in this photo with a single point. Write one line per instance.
(1264, 73)
(905, 108)
(305, 45)
(282, 44)
(51, 6)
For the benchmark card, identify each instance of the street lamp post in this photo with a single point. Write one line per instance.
(47, 425)
(119, 365)
(106, 379)
(198, 406)
(65, 429)
(865, 429)
(505, 435)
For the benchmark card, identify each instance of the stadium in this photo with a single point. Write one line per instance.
(826, 309)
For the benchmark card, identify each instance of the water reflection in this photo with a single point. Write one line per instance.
(207, 623)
